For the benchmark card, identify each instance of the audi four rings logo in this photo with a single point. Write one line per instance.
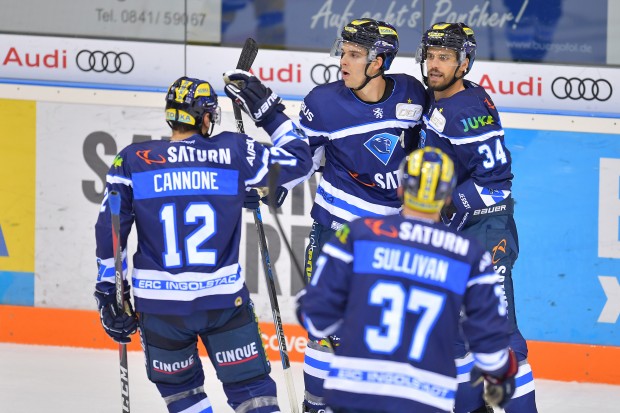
(321, 74)
(586, 89)
(98, 61)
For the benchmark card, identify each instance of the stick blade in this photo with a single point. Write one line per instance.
(248, 54)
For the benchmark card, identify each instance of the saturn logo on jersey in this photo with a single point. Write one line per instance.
(144, 155)
(375, 226)
(501, 248)
(382, 146)
(237, 355)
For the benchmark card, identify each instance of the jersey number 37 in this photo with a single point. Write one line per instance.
(395, 301)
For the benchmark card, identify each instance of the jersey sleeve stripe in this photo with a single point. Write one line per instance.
(117, 179)
(369, 127)
(260, 174)
(352, 204)
(491, 361)
(337, 253)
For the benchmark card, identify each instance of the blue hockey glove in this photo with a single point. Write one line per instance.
(280, 196)
(500, 385)
(119, 326)
(252, 96)
(454, 216)
(252, 199)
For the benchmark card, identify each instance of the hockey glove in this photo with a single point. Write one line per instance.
(454, 215)
(252, 96)
(500, 385)
(252, 199)
(119, 326)
(280, 196)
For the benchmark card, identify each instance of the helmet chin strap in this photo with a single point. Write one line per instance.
(208, 133)
(368, 78)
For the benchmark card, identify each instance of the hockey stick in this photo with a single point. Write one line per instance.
(274, 173)
(248, 54)
(114, 200)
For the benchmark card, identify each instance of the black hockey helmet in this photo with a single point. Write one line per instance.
(455, 36)
(188, 100)
(427, 179)
(380, 38)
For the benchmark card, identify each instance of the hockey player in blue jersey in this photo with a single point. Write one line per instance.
(463, 122)
(393, 289)
(363, 126)
(185, 197)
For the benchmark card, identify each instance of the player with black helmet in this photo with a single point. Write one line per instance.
(362, 126)
(463, 122)
(185, 197)
(393, 288)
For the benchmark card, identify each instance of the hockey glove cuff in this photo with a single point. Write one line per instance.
(500, 385)
(252, 96)
(280, 197)
(118, 325)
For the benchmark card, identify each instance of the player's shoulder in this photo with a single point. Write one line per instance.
(470, 111)
(143, 149)
(405, 80)
(376, 227)
(326, 91)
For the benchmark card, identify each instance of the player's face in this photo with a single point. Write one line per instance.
(441, 64)
(353, 61)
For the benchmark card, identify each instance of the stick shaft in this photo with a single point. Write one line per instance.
(114, 202)
(248, 54)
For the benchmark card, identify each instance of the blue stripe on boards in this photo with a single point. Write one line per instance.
(17, 288)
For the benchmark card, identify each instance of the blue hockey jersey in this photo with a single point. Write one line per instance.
(467, 127)
(186, 199)
(392, 289)
(363, 145)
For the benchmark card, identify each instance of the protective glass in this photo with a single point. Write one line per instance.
(439, 55)
(337, 49)
(216, 115)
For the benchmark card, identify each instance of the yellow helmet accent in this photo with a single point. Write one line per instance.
(427, 178)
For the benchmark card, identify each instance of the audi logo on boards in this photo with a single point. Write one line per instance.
(321, 74)
(98, 61)
(586, 89)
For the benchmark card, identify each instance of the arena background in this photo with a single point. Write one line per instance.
(62, 122)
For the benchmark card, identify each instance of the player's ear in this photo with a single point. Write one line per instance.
(463, 66)
(379, 62)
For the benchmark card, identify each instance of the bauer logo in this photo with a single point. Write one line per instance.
(237, 355)
(408, 111)
(382, 146)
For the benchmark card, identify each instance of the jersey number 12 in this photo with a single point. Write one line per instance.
(194, 213)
